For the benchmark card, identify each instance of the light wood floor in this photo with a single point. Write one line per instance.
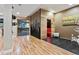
(1, 43)
(37, 47)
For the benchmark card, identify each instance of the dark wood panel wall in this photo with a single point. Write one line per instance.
(44, 16)
(38, 20)
(35, 20)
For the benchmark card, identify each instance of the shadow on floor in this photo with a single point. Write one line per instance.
(66, 44)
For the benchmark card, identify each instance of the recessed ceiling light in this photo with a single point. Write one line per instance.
(52, 11)
(70, 4)
(1, 13)
(18, 13)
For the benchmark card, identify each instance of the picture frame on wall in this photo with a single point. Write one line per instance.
(71, 20)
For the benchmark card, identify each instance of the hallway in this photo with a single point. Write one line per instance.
(31, 29)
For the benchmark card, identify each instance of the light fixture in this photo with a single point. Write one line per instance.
(70, 4)
(1, 13)
(52, 11)
(51, 14)
(18, 13)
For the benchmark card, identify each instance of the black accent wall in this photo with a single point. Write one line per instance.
(35, 20)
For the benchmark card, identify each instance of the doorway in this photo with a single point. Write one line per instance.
(49, 30)
(23, 27)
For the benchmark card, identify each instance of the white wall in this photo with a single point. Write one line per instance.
(14, 29)
(7, 12)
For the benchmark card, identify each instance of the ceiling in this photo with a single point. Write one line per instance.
(28, 9)
(25, 9)
(55, 7)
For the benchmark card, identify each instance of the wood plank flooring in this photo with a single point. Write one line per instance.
(36, 46)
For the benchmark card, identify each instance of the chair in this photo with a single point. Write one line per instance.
(57, 35)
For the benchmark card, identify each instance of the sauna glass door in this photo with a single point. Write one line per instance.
(23, 28)
(35, 28)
